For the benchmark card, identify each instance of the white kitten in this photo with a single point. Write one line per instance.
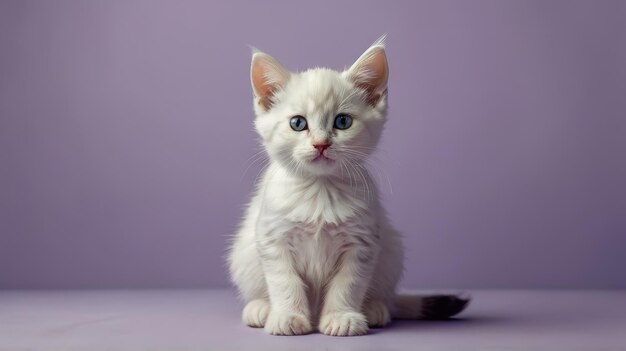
(315, 247)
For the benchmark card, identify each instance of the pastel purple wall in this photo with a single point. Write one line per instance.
(125, 127)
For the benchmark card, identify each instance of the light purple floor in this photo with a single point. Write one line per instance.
(209, 320)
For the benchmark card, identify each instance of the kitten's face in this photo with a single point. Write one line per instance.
(321, 122)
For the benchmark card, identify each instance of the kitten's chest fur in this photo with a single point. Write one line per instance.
(316, 246)
(317, 220)
(316, 200)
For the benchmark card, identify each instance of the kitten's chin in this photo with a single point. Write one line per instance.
(321, 166)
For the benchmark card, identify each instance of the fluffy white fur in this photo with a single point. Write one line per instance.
(315, 248)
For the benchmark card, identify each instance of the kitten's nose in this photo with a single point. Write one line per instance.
(321, 147)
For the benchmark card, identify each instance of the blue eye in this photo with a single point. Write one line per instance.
(298, 123)
(343, 121)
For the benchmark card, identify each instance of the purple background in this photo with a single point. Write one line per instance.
(125, 127)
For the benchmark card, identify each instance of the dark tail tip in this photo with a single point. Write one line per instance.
(440, 307)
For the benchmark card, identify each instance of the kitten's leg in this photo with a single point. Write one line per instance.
(341, 314)
(289, 310)
(246, 272)
(255, 313)
(381, 296)
(376, 312)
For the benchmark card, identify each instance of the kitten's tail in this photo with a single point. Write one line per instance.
(431, 307)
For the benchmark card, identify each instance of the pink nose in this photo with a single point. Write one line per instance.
(321, 147)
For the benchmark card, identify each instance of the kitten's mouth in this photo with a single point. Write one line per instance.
(322, 158)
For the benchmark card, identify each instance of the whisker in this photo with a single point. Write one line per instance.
(362, 174)
(259, 158)
(359, 173)
(262, 170)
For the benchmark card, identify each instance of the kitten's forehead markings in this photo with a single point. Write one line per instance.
(317, 106)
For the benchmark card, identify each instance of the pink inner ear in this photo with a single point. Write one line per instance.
(262, 88)
(378, 66)
(370, 74)
(267, 76)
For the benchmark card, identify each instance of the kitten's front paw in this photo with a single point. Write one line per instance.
(377, 313)
(343, 324)
(287, 323)
(255, 313)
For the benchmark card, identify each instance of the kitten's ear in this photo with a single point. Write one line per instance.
(267, 76)
(370, 72)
